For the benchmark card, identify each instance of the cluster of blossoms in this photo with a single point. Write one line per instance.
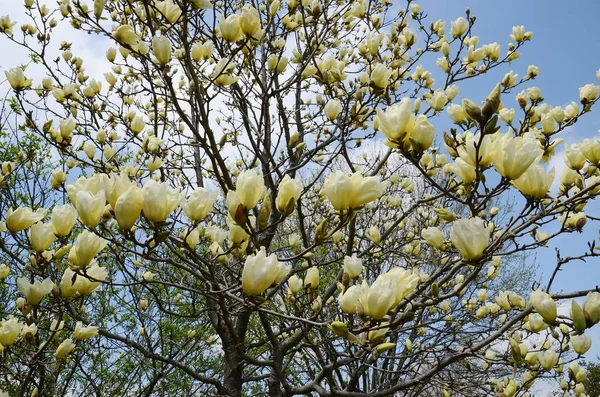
(190, 205)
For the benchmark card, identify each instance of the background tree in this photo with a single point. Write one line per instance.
(204, 225)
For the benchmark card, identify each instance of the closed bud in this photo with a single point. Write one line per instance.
(472, 109)
(339, 328)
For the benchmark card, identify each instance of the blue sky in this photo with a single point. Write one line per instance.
(568, 55)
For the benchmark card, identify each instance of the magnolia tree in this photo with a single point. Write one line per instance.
(201, 219)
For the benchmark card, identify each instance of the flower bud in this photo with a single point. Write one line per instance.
(591, 307)
(332, 109)
(311, 280)
(161, 48)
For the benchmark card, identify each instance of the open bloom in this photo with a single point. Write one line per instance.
(397, 121)
(85, 248)
(22, 218)
(41, 236)
(379, 298)
(588, 93)
(82, 333)
(36, 291)
(591, 150)
(159, 200)
(470, 237)
(399, 124)
(458, 27)
(476, 150)
(9, 331)
(535, 182)
(199, 204)
(260, 271)
(380, 76)
(406, 281)
(544, 305)
(344, 191)
(512, 156)
(63, 219)
(74, 284)
(581, 343)
(125, 34)
(16, 78)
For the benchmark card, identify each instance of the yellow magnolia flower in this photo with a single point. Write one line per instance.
(16, 78)
(41, 236)
(544, 305)
(63, 219)
(9, 331)
(259, 272)
(433, 236)
(83, 333)
(161, 48)
(379, 298)
(199, 204)
(288, 193)
(535, 182)
(64, 348)
(352, 191)
(581, 343)
(159, 200)
(86, 246)
(332, 109)
(128, 207)
(202, 51)
(353, 266)
(125, 34)
(250, 188)
(90, 207)
(36, 291)
(349, 298)
(470, 237)
(230, 27)
(22, 218)
(73, 284)
(169, 10)
(512, 156)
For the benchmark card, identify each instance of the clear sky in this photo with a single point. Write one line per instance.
(567, 51)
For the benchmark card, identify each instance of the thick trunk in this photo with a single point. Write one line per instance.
(233, 376)
(274, 385)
